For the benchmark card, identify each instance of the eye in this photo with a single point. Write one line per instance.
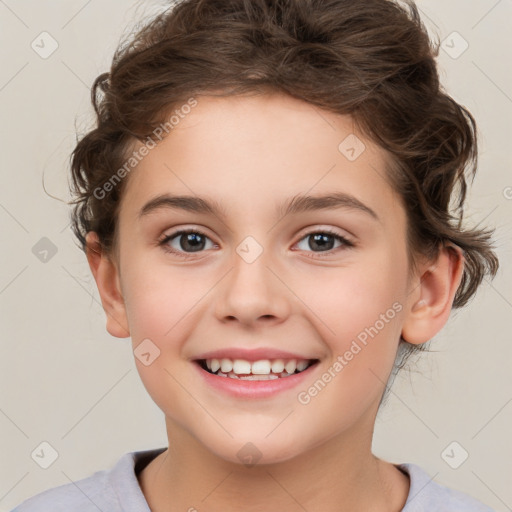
(185, 242)
(324, 241)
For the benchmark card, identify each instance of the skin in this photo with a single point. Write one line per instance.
(250, 153)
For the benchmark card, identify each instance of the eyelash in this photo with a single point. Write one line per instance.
(163, 242)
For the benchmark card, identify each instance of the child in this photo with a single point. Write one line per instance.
(307, 153)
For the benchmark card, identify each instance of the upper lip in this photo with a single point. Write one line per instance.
(255, 354)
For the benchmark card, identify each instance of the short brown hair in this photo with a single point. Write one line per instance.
(372, 60)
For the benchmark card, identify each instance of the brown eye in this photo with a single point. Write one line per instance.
(323, 241)
(185, 242)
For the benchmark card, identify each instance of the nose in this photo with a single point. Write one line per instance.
(253, 293)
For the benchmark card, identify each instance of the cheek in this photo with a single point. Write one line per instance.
(162, 307)
(160, 296)
(348, 300)
(360, 320)
(359, 317)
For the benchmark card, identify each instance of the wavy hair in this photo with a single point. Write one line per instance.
(372, 60)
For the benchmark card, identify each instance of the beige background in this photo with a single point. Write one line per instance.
(66, 381)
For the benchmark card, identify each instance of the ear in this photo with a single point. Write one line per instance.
(107, 280)
(432, 297)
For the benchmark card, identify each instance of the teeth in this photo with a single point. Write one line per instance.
(277, 366)
(226, 365)
(241, 366)
(256, 377)
(260, 367)
(291, 366)
(263, 369)
(302, 365)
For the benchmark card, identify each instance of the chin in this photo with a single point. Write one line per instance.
(255, 450)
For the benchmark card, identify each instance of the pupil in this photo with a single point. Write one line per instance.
(323, 241)
(194, 240)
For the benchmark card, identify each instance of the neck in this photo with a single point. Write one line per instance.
(339, 475)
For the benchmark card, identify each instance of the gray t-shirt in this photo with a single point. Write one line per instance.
(118, 490)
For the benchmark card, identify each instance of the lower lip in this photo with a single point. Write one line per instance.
(253, 388)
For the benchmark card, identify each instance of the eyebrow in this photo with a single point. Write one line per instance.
(294, 205)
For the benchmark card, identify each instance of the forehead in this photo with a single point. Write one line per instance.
(252, 152)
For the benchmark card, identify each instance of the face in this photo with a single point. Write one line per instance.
(255, 279)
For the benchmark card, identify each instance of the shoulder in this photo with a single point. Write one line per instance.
(112, 490)
(86, 495)
(425, 495)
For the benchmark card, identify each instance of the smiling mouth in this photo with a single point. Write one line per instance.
(258, 370)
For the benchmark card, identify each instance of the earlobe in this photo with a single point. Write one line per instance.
(107, 280)
(433, 294)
